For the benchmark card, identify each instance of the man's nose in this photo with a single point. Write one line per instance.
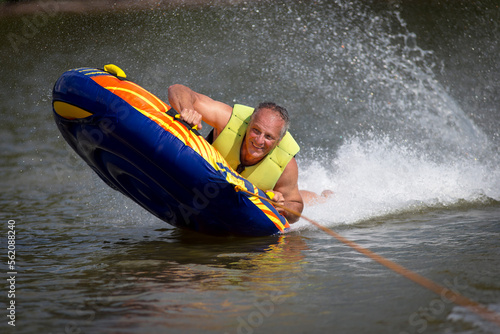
(259, 139)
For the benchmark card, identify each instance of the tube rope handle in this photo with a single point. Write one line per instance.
(115, 70)
(178, 117)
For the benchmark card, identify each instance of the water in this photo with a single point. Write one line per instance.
(395, 106)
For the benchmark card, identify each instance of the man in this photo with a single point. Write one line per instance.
(259, 146)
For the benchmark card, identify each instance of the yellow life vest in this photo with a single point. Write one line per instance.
(266, 172)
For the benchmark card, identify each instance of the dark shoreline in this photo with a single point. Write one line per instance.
(80, 6)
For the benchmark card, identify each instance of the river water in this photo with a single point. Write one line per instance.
(395, 106)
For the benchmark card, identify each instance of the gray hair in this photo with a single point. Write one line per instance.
(276, 108)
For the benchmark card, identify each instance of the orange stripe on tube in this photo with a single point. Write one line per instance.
(139, 98)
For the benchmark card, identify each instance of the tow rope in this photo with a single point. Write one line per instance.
(438, 289)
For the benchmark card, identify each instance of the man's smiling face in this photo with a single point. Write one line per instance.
(262, 136)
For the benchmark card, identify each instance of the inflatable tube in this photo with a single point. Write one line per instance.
(134, 142)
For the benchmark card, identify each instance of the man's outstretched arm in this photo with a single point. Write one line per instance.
(195, 107)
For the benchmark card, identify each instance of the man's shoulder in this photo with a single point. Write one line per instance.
(242, 112)
(291, 171)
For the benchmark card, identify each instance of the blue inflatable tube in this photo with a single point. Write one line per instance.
(134, 142)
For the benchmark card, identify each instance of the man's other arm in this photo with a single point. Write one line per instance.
(287, 192)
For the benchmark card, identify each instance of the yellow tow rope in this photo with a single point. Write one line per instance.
(440, 290)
